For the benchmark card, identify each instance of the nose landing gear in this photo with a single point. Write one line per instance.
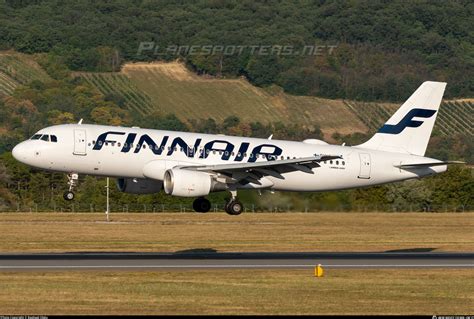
(72, 182)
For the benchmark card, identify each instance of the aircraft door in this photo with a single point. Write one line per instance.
(364, 165)
(80, 142)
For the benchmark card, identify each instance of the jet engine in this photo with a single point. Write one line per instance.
(187, 183)
(139, 185)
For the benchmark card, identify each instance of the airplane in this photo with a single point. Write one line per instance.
(145, 161)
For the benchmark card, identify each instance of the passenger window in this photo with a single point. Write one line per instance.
(337, 162)
(343, 163)
(45, 138)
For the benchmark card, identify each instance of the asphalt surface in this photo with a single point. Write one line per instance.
(127, 261)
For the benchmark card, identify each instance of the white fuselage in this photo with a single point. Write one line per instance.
(89, 149)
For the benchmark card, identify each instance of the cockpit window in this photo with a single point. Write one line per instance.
(36, 137)
(54, 138)
(45, 138)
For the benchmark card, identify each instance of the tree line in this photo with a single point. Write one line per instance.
(382, 48)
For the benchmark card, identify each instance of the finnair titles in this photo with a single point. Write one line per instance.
(194, 165)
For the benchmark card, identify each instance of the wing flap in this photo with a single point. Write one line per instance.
(302, 164)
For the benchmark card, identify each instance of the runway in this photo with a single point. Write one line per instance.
(127, 261)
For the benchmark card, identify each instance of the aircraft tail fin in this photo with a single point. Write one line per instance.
(409, 129)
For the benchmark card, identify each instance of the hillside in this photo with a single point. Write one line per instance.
(171, 88)
(16, 69)
(381, 48)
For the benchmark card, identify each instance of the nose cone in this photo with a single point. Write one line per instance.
(20, 152)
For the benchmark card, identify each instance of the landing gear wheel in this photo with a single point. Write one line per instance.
(234, 207)
(68, 195)
(201, 205)
(72, 182)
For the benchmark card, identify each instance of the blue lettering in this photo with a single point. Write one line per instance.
(184, 146)
(226, 152)
(101, 140)
(269, 155)
(128, 143)
(407, 121)
(157, 150)
(242, 150)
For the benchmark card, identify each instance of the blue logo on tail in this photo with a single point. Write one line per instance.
(407, 121)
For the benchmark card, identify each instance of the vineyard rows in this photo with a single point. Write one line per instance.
(16, 69)
(135, 99)
(455, 117)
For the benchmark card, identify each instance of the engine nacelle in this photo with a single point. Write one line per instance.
(186, 183)
(139, 185)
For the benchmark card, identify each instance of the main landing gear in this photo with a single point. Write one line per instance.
(72, 182)
(201, 205)
(232, 207)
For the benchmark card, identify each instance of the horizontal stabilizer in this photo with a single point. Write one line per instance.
(422, 165)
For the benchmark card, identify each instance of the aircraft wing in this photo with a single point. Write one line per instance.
(252, 172)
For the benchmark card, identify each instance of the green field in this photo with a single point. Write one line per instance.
(408, 291)
(16, 69)
(249, 232)
(237, 291)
